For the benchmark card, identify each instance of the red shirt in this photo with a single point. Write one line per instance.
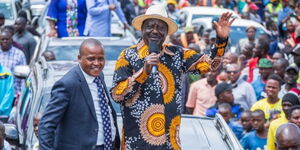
(252, 65)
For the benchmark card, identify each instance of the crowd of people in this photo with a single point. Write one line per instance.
(256, 88)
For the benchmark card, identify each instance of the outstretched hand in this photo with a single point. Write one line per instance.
(223, 25)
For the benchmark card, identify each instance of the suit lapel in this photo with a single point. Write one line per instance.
(86, 92)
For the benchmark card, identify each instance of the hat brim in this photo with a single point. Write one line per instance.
(138, 21)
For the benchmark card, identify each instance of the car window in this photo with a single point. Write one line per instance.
(25, 101)
(238, 32)
(71, 52)
(196, 16)
(6, 9)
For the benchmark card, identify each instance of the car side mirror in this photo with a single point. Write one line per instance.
(11, 132)
(22, 71)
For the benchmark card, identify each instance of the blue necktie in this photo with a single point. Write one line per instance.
(104, 115)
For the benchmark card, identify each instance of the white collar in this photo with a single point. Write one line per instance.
(89, 79)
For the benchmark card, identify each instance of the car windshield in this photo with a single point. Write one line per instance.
(239, 32)
(70, 53)
(6, 9)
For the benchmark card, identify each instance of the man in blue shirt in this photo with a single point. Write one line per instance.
(6, 92)
(256, 139)
(98, 21)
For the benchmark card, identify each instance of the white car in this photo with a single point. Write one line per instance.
(238, 29)
(188, 14)
(10, 8)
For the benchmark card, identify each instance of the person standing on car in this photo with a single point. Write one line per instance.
(151, 100)
(66, 18)
(79, 115)
(99, 17)
(24, 37)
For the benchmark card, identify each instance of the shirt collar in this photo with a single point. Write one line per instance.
(89, 79)
(164, 50)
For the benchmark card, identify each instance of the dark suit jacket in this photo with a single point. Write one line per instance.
(69, 121)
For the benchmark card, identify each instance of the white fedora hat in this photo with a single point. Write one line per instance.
(155, 12)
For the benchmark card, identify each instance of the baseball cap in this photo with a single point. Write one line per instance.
(222, 87)
(265, 63)
(253, 6)
(292, 67)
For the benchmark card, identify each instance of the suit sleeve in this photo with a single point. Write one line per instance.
(53, 114)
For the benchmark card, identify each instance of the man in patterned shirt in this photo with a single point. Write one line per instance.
(11, 57)
(151, 102)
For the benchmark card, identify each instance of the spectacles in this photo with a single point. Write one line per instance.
(230, 72)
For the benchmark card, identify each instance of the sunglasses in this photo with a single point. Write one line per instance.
(230, 72)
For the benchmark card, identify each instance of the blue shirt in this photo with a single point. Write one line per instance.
(259, 88)
(98, 22)
(251, 141)
(283, 13)
(236, 128)
(236, 111)
(7, 91)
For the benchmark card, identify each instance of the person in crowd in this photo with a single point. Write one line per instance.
(81, 92)
(280, 66)
(272, 10)
(7, 91)
(10, 57)
(188, 37)
(4, 145)
(245, 121)
(11, 29)
(172, 10)
(131, 9)
(290, 81)
(36, 121)
(49, 55)
(283, 15)
(146, 94)
(271, 103)
(254, 16)
(247, 51)
(229, 58)
(251, 31)
(273, 29)
(25, 38)
(175, 39)
(2, 20)
(242, 91)
(256, 139)
(66, 18)
(296, 58)
(260, 51)
(287, 137)
(204, 42)
(98, 21)
(230, 4)
(288, 101)
(225, 110)
(294, 115)
(265, 69)
(277, 55)
(202, 94)
(223, 92)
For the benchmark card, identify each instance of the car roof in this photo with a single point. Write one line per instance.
(208, 10)
(237, 22)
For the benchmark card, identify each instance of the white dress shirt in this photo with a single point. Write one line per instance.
(93, 88)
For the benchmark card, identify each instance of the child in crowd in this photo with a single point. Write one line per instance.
(245, 121)
(36, 121)
(256, 139)
(225, 112)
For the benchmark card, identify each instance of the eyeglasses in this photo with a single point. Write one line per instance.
(230, 72)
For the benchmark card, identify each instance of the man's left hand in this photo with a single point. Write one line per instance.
(223, 26)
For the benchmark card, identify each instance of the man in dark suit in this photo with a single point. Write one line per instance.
(79, 115)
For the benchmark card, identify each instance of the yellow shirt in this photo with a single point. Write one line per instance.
(266, 107)
(272, 131)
